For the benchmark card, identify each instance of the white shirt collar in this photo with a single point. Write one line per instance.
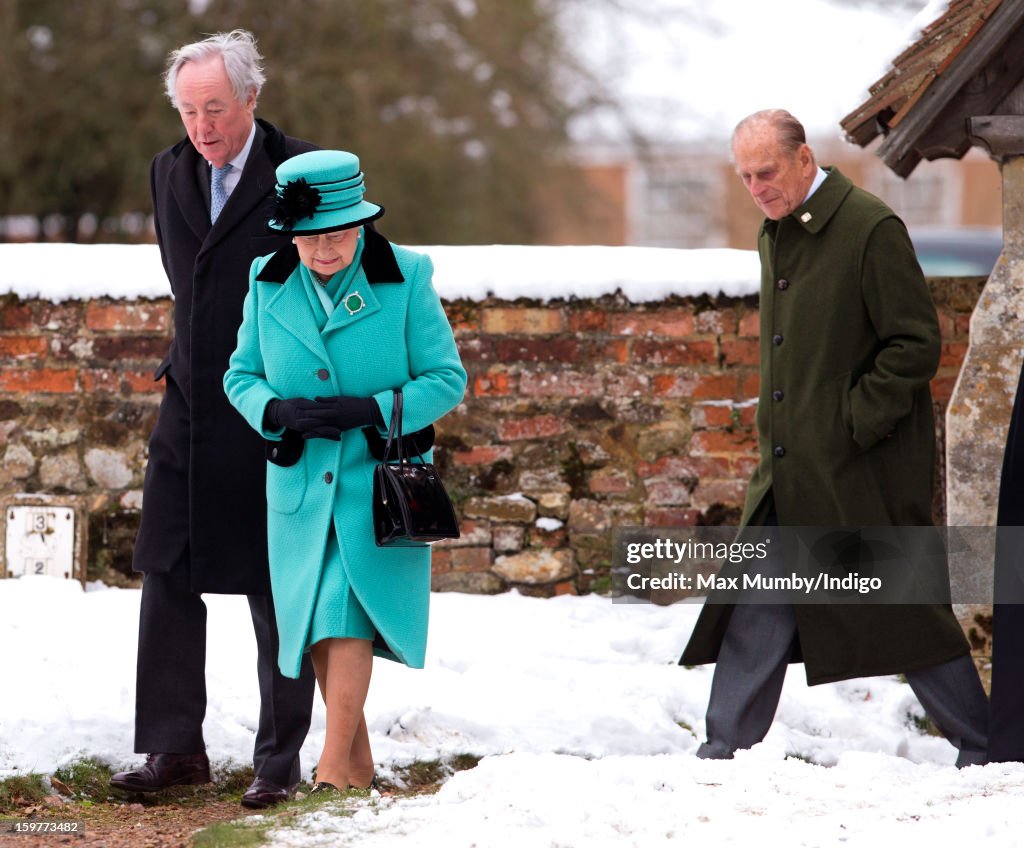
(819, 178)
(238, 163)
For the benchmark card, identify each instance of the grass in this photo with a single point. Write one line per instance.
(88, 780)
(86, 783)
(420, 774)
(85, 787)
(601, 584)
(247, 833)
(418, 778)
(19, 792)
(254, 830)
(429, 775)
(463, 762)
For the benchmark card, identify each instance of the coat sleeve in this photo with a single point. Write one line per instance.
(438, 380)
(245, 381)
(902, 312)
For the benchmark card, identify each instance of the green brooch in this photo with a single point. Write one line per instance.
(354, 302)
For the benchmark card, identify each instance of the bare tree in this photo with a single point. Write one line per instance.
(460, 109)
(81, 109)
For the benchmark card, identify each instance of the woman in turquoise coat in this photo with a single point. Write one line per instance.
(332, 326)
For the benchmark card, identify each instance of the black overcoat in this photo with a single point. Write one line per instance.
(849, 343)
(1006, 732)
(208, 268)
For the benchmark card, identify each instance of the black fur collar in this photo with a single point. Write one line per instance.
(378, 261)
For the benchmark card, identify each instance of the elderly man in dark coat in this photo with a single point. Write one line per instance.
(849, 343)
(204, 510)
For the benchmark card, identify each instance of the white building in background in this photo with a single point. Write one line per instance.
(687, 195)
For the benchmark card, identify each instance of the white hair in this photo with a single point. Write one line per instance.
(242, 61)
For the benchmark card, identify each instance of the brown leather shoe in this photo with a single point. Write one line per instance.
(163, 770)
(264, 793)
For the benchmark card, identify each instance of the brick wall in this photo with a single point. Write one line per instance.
(580, 415)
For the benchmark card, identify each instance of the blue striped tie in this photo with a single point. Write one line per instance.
(218, 196)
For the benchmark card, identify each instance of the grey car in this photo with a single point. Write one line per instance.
(957, 252)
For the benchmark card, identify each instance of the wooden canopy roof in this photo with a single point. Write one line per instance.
(969, 62)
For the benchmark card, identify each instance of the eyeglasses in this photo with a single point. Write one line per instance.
(335, 238)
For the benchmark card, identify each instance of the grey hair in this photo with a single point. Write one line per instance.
(242, 61)
(789, 131)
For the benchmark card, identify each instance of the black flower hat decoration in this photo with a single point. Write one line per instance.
(296, 201)
(319, 192)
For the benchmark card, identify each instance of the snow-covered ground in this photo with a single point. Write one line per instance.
(576, 705)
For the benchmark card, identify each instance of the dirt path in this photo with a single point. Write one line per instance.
(167, 819)
(129, 825)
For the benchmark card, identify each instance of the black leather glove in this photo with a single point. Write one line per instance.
(293, 414)
(335, 415)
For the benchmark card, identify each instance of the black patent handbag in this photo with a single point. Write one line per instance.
(410, 505)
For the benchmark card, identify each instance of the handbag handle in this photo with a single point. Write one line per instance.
(396, 424)
(395, 430)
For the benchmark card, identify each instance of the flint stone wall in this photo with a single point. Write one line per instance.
(580, 415)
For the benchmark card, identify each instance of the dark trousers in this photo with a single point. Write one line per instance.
(751, 669)
(1006, 743)
(170, 694)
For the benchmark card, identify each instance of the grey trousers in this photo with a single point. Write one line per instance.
(751, 668)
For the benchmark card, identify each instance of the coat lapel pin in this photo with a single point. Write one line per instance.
(354, 303)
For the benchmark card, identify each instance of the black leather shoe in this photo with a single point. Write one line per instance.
(971, 758)
(163, 770)
(265, 793)
(324, 788)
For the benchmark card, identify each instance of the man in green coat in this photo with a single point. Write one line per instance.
(849, 343)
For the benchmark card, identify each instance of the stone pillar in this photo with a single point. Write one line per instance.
(978, 414)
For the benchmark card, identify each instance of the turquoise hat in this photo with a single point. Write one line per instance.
(321, 191)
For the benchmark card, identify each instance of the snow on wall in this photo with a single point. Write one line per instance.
(59, 272)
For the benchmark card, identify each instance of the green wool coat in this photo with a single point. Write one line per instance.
(849, 343)
(400, 338)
